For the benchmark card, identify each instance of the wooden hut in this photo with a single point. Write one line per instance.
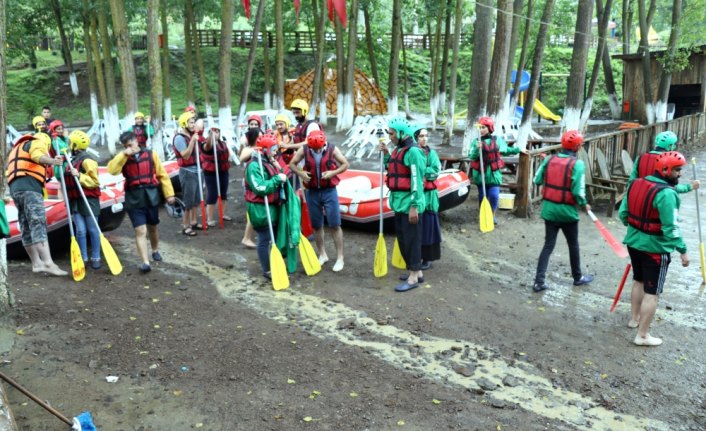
(687, 92)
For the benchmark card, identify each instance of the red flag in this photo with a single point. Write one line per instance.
(330, 10)
(296, 8)
(246, 6)
(340, 7)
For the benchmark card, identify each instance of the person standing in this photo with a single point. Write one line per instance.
(303, 127)
(431, 227)
(46, 113)
(564, 190)
(144, 177)
(245, 152)
(142, 129)
(651, 213)
(405, 180)
(285, 139)
(214, 182)
(59, 144)
(491, 148)
(185, 150)
(26, 173)
(645, 163)
(323, 162)
(40, 125)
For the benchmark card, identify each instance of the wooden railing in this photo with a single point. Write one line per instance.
(635, 141)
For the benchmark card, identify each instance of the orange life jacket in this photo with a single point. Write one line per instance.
(20, 164)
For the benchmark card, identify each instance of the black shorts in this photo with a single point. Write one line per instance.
(650, 269)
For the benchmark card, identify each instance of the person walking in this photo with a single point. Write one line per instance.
(323, 162)
(645, 164)
(185, 150)
(144, 178)
(562, 176)
(431, 226)
(215, 183)
(651, 213)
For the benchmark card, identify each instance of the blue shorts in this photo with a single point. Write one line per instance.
(322, 201)
(143, 216)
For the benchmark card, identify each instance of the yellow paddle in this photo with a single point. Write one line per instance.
(278, 270)
(110, 257)
(78, 268)
(310, 261)
(380, 262)
(486, 212)
(397, 259)
(698, 217)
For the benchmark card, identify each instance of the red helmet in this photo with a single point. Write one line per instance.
(488, 122)
(267, 143)
(316, 140)
(256, 118)
(190, 109)
(54, 125)
(669, 160)
(572, 140)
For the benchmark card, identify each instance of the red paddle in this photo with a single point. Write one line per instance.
(617, 247)
(620, 288)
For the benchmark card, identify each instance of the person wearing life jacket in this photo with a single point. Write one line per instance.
(651, 214)
(184, 143)
(491, 147)
(209, 164)
(405, 180)
(144, 177)
(245, 152)
(26, 174)
(562, 176)
(285, 139)
(142, 129)
(304, 127)
(59, 144)
(431, 225)
(323, 162)
(85, 169)
(645, 164)
(261, 185)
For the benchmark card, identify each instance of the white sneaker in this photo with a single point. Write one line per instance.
(323, 259)
(647, 341)
(338, 266)
(633, 324)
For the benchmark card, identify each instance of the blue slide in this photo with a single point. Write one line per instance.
(524, 84)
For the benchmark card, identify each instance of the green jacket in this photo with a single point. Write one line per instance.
(491, 177)
(262, 184)
(564, 213)
(667, 202)
(60, 145)
(680, 188)
(431, 173)
(402, 201)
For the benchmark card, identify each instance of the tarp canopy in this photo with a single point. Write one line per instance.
(367, 97)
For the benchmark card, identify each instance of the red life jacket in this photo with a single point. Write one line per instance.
(646, 165)
(299, 134)
(208, 162)
(140, 134)
(251, 196)
(139, 171)
(557, 180)
(491, 156)
(328, 163)
(181, 161)
(399, 176)
(642, 215)
(428, 185)
(71, 182)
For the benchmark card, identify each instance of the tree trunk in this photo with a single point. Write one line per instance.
(517, 25)
(405, 70)
(318, 97)
(279, 57)
(90, 70)
(266, 69)
(65, 49)
(627, 25)
(394, 57)
(644, 50)
(497, 89)
(252, 55)
(448, 133)
(340, 73)
(110, 113)
(435, 60)
(155, 68)
(666, 79)
(96, 63)
(188, 54)
(127, 67)
(166, 91)
(577, 74)
(480, 65)
(348, 102)
(371, 44)
(4, 287)
(523, 57)
(443, 76)
(225, 112)
(200, 66)
(608, 73)
(603, 19)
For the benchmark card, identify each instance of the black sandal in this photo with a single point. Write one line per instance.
(188, 231)
(197, 226)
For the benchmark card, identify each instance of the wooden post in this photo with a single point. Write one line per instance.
(522, 195)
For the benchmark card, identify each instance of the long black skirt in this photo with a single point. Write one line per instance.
(431, 237)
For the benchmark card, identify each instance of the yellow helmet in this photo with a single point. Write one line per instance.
(79, 140)
(44, 139)
(283, 118)
(38, 119)
(301, 104)
(139, 114)
(184, 119)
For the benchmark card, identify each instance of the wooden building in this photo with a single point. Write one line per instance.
(687, 91)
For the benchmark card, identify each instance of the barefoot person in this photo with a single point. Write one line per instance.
(323, 162)
(144, 177)
(26, 173)
(651, 213)
(245, 151)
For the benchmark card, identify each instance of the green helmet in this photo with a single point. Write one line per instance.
(414, 128)
(666, 141)
(401, 126)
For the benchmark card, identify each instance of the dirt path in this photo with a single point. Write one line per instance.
(203, 342)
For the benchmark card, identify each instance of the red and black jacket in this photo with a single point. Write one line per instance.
(208, 161)
(139, 171)
(399, 176)
(491, 156)
(71, 182)
(299, 134)
(140, 134)
(181, 161)
(328, 163)
(642, 215)
(557, 180)
(251, 196)
(428, 185)
(646, 165)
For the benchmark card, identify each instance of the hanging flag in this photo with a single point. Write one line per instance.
(330, 10)
(246, 6)
(340, 7)
(296, 8)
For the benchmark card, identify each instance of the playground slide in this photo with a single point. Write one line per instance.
(544, 112)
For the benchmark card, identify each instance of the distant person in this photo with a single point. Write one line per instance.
(285, 139)
(144, 178)
(210, 164)
(59, 143)
(46, 113)
(40, 125)
(645, 164)
(323, 162)
(26, 173)
(142, 129)
(303, 127)
(184, 144)
(651, 213)
(564, 189)
(431, 226)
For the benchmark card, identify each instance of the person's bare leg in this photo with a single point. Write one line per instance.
(319, 240)
(141, 242)
(37, 264)
(338, 242)
(647, 313)
(210, 209)
(248, 236)
(636, 296)
(44, 253)
(153, 232)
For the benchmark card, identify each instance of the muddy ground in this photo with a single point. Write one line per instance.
(203, 342)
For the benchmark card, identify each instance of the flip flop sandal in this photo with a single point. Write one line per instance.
(197, 226)
(404, 278)
(211, 223)
(188, 231)
(227, 218)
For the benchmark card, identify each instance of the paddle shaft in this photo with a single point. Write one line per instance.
(267, 205)
(382, 168)
(218, 180)
(620, 287)
(83, 195)
(66, 197)
(698, 218)
(198, 173)
(36, 399)
(614, 244)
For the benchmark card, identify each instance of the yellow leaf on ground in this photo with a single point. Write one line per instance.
(133, 318)
(291, 381)
(353, 394)
(199, 425)
(177, 393)
(400, 422)
(308, 419)
(155, 300)
(604, 376)
(20, 332)
(587, 362)
(435, 401)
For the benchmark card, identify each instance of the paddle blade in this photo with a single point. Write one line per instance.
(278, 270)
(204, 220)
(380, 263)
(397, 259)
(487, 224)
(309, 259)
(614, 244)
(620, 288)
(110, 257)
(78, 268)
